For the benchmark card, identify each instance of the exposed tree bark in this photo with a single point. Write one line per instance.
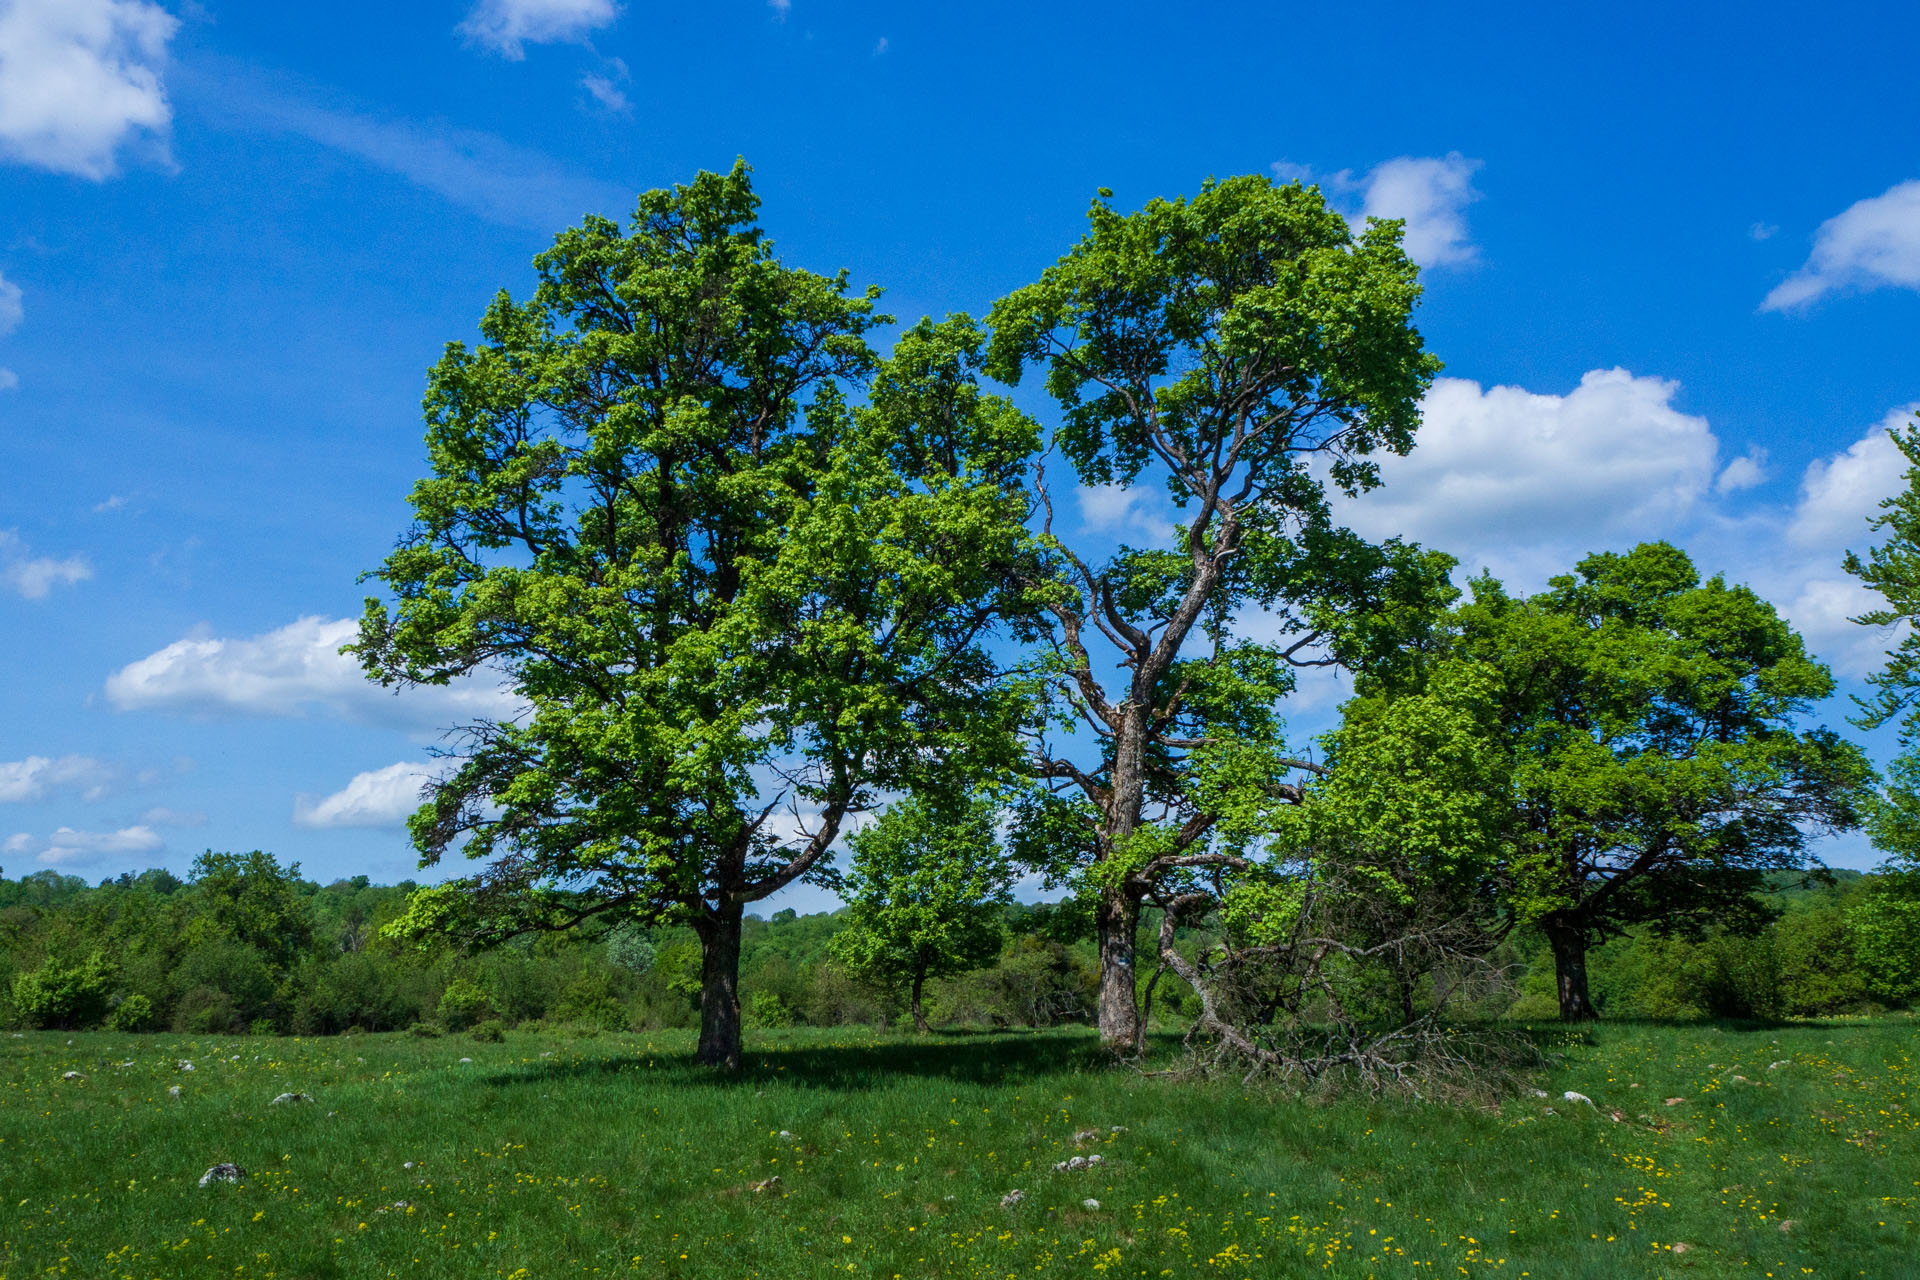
(919, 1013)
(1569, 942)
(719, 934)
(1119, 920)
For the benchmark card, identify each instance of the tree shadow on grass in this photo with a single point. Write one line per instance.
(962, 1057)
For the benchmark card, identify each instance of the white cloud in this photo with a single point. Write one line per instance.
(880, 48)
(1872, 243)
(606, 93)
(292, 671)
(68, 847)
(36, 777)
(80, 80)
(1124, 512)
(1762, 231)
(507, 26)
(781, 8)
(1839, 494)
(8, 379)
(1744, 472)
(377, 798)
(11, 312)
(1514, 480)
(34, 576)
(1429, 193)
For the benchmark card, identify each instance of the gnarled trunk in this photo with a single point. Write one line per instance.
(1119, 919)
(1569, 942)
(720, 986)
(919, 1014)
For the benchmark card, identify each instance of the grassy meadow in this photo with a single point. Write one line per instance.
(1793, 1152)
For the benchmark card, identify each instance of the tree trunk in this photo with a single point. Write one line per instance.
(720, 987)
(1120, 1029)
(919, 1014)
(1569, 943)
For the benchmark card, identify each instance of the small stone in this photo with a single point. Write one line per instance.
(788, 1136)
(1617, 1116)
(173, 1091)
(765, 1184)
(402, 1205)
(1087, 1135)
(1788, 1224)
(1571, 1096)
(222, 1173)
(1096, 1158)
(466, 1059)
(1012, 1198)
(1119, 1128)
(183, 1065)
(1539, 1093)
(72, 1075)
(1784, 1062)
(1634, 1085)
(1680, 1246)
(290, 1097)
(407, 1165)
(1090, 1204)
(1674, 1102)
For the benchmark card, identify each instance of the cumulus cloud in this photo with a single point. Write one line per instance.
(508, 26)
(37, 777)
(1429, 193)
(1133, 513)
(1871, 244)
(377, 798)
(1839, 494)
(34, 576)
(1503, 476)
(68, 847)
(781, 8)
(80, 80)
(1744, 472)
(295, 670)
(8, 379)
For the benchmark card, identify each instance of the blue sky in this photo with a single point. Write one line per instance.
(1673, 264)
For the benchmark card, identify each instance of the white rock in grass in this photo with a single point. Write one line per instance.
(73, 1075)
(183, 1065)
(1571, 1096)
(222, 1173)
(466, 1059)
(173, 1091)
(1090, 1204)
(291, 1097)
(1012, 1198)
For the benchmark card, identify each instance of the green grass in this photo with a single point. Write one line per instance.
(549, 1156)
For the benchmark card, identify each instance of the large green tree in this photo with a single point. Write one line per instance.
(925, 895)
(1239, 351)
(736, 610)
(1653, 732)
(1887, 922)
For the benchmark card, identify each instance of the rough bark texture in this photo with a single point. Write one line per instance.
(1120, 1027)
(919, 1013)
(720, 987)
(1569, 943)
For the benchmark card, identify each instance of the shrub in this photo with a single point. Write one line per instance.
(135, 1013)
(426, 1030)
(491, 1031)
(767, 1009)
(590, 1002)
(63, 996)
(465, 1003)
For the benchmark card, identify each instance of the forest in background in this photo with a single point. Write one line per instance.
(244, 944)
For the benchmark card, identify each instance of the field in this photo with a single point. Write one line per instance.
(1793, 1152)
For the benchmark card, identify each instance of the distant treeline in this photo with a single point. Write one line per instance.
(245, 944)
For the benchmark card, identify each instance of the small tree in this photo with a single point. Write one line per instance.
(1651, 725)
(925, 898)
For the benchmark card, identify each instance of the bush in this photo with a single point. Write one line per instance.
(135, 1013)
(589, 1001)
(426, 1031)
(767, 1009)
(63, 996)
(465, 1003)
(491, 1031)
